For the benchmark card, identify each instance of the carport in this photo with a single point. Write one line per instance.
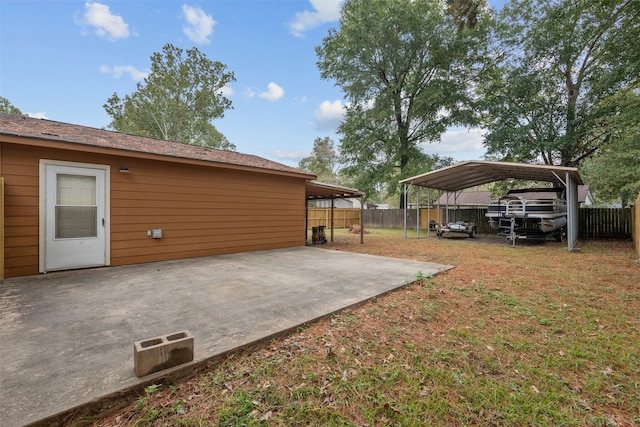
(478, 172)
(316, 190)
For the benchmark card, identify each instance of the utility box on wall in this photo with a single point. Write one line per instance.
(156, 233)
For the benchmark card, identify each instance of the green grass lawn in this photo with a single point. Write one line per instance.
(522, 336)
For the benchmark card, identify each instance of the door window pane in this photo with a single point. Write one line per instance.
(76, 210)
(79, 190)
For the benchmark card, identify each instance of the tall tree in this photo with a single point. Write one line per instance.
(323, 161)
(558, 59)
(614, 172)
(7, 107)
(177, 101)
(406, 72)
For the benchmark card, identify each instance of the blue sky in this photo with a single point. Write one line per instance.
(62, 60)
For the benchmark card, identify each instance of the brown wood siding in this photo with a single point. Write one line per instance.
(20, 171)
(1, 229)
(201, 210)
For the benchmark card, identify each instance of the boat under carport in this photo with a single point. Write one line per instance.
(478, 172)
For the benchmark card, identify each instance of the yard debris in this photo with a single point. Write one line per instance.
(266, 416)
(356, 229)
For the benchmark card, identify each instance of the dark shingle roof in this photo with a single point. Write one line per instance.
(466, 198)
(23, 126)
(484, 198)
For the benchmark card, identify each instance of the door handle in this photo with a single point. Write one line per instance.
(103, 222)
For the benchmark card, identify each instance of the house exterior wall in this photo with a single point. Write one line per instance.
(202, 210)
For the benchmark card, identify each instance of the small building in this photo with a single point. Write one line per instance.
(77, 197)
(378, 206)
(338, 204)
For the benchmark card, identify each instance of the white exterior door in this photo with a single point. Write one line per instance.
(74, 219)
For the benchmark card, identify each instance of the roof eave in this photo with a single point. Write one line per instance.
(52, 141)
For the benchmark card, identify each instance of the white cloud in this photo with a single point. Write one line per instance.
(105, 24)
(290, 156)
(40, 115)
(329, 114)
(273, 93)
(199, 25)
(226, 91)
(118, 70)
(323, 11)
(461, 144)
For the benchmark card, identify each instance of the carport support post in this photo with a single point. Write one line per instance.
(428, 212)
(447, 208)
(572, 212)
(361, 219)
(418, 212)
(332, 207)
(306, 220)
(404, 217)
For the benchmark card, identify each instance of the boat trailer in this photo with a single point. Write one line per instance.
(511, 231)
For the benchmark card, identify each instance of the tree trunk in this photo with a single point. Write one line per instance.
(567, 151)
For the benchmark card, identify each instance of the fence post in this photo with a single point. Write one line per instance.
(635, 224)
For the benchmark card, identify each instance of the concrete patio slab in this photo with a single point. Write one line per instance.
(67, 338)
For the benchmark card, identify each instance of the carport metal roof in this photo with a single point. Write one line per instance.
(477, 172)
(316, 190)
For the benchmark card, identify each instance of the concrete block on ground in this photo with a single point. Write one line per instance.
(162, 352)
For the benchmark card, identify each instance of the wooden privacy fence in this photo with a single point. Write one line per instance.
(342, 217)
(388, 218)
(593, 222)
(604, 222)
(394, 218)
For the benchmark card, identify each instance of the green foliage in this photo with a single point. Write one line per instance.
(406, 71)
(556, 61)
(177, 100)
(149, 413)
(7, 107)
(323, 161)
(149, 390)
(422, 278)
(614, 172)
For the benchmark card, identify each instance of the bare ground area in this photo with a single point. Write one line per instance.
(531, 335)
